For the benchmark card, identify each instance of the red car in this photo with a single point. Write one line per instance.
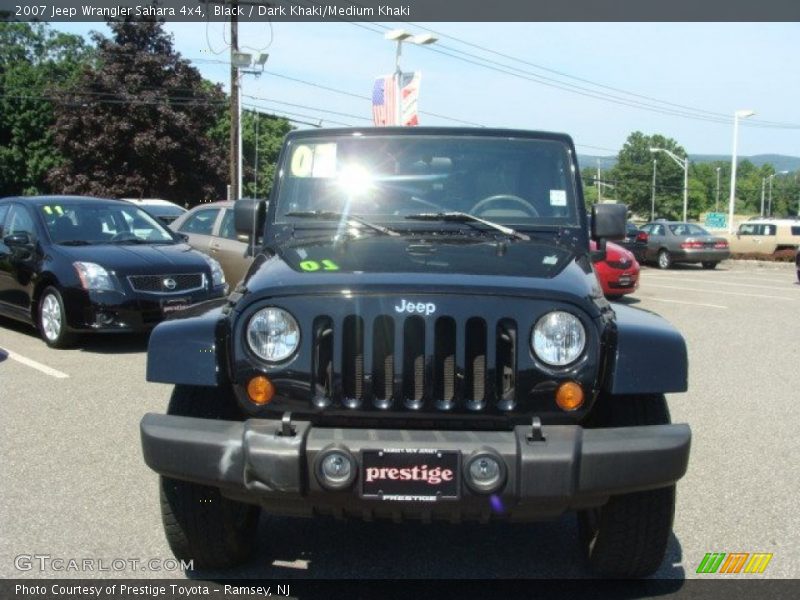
(618, 274)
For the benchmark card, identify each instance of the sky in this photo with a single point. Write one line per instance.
(714, 67)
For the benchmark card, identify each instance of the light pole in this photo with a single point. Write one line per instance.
(763, 185)
(400, 36)
(716, 206)
(244, 62)
(684, 164)
(653, 194)
(739, 114)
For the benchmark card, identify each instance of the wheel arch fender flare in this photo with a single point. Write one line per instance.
(190, 349)
(649, 356)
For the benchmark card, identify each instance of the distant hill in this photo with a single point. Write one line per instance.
(781, 162)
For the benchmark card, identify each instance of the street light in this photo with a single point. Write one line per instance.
(716, 206)
(399, 36)
(739, 114)
(653, 198)
(684, 164)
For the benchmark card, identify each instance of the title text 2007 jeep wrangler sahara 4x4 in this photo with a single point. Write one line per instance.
(421, 336)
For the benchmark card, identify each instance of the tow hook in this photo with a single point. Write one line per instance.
(287, 429)
(536, 434)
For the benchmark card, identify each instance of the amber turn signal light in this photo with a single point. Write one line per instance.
(569, 396)
(260, 390)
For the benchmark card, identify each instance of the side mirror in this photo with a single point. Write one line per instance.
(182, 237)
(18, 240)
(249, 215)
(609, 222)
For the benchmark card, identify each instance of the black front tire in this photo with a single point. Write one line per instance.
(628, 536)
(200, 524)
(710, 264)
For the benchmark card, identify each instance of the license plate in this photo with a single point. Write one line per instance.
(410, 475)
(174, 305)
(624, 281)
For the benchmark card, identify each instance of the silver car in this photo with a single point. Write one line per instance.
(670, 242)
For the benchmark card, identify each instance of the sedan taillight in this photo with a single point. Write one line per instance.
(692, 245)
(642, 237)
(721, 245)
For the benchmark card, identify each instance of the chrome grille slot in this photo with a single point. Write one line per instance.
(475, 378)
(322, 362)
(444, 365)
(353, 361)
(506, 368)
(383, 361)
(414, 362)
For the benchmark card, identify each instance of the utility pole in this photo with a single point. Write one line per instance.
(255, 165)
(769, 205)
(763, 186)
(653, 195)
(716, 206)
(597, 184)
(235, 145)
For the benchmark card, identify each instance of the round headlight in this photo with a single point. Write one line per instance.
(273, 334)
(558, 338)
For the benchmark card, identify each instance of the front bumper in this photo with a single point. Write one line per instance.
(570, 468)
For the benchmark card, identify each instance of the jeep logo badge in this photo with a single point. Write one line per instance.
(422, 308)
(170, 283)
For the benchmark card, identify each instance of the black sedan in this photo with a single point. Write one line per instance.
(635, 241)
(71, 264)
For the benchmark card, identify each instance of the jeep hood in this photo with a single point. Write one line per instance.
(454, 265)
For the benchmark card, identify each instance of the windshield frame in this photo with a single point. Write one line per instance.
(278, 228)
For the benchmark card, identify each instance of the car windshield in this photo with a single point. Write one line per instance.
(163, 210)
(102, 223)
(385, 179)
(687, 229)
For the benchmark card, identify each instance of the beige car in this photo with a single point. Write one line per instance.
(765, 236)
(210, 229)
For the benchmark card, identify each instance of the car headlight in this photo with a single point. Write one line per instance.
(217, 274)
(273, 334)
(558, 338)
(93, 276)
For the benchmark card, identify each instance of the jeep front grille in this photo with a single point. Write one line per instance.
(413, 363)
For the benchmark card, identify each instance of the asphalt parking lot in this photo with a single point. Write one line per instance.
(74, 484)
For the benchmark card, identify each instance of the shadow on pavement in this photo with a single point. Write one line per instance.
(330, 549)
(114, 343)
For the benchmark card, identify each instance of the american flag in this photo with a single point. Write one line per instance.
(384, 101)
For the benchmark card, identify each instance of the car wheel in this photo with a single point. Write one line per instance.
(52, 320)
(200, 524)
(710, 264)
(664, 260)
(628, 536)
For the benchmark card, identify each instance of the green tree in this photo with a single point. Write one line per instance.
(634, 175)
(271, 131)
(35, 64)
(140, 123)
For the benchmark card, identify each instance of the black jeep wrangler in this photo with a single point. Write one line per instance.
(421, 336)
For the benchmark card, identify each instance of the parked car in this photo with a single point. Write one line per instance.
(618, 274)
(71, 264)
(635, 241)
(210, 229)
(164, 210)
(765, 236)
(797, 263)
(670, 242)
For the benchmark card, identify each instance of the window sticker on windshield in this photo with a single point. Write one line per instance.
(558, 198)
(550, 260)
(47, 210)
(315, 160)
(325, 265)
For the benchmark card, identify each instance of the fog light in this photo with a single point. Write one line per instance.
(336, 468)
(485, 473)
(260, 390)
(569, 396)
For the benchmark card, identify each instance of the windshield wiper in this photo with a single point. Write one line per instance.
(462, 217)
(74, 243)
(327, 214)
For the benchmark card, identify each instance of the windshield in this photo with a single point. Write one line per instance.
(520, 182)
(164, 210)
(102, 223)
(687, 229)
